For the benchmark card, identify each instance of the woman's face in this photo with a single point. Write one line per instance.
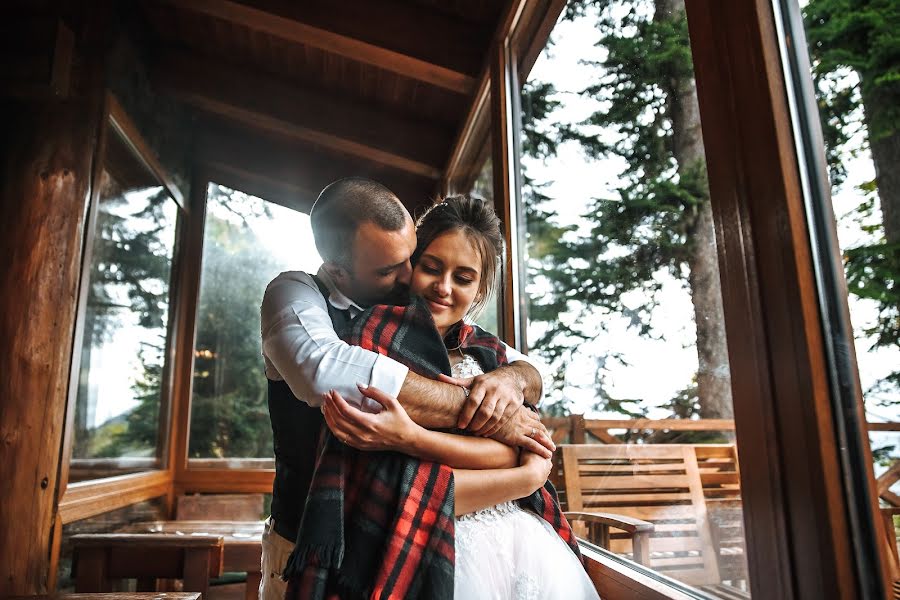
(448, 276)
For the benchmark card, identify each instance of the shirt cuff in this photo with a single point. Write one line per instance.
(388, 376)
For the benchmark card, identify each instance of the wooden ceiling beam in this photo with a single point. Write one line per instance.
(293, 29)
(288, 173)
(266, 104)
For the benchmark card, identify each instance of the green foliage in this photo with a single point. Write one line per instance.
(645, 228)
(229, 413)
(863, 35)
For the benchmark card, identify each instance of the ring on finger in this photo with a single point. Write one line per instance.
(533, 432)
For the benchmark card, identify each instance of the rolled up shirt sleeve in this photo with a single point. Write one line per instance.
(301, 347)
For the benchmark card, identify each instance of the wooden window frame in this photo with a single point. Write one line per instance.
(88, 498)
(214, 476)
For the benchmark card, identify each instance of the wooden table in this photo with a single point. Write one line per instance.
(243, 543)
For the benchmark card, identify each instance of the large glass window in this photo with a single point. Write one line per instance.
(247, 242)
(623, 291)
(122, 393)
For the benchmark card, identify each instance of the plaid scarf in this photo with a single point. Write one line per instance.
(381, 524)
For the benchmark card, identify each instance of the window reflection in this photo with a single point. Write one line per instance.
(119, 405)
(623, 293)
(247, 242)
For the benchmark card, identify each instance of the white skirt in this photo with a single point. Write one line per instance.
(507, 553)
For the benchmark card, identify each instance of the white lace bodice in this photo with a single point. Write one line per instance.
(506, 553)
(469, 367)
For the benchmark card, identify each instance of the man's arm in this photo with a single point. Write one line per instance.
(301, 347)
(389, 429)
(432, 404)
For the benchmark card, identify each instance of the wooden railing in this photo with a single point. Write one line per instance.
(574, 428)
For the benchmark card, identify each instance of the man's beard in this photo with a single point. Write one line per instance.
(399, 295)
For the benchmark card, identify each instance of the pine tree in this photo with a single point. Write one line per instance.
(659, 221)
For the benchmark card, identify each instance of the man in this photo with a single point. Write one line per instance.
(365, 237)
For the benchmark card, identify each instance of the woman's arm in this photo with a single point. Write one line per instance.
(399, 433)
(474, 490)
(461, 451)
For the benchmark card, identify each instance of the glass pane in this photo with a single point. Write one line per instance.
(622, 288)
(854, 60)
(247, 242)
(120, 401)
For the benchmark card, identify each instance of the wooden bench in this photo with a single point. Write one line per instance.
(219, 507)
(666, 486)
(98, 559)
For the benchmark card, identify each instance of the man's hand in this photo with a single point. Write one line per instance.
(493, 399)
(525, 430)
(390, 429)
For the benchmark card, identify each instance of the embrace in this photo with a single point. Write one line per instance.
(410, 461)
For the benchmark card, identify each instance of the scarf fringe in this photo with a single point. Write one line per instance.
(325, 556)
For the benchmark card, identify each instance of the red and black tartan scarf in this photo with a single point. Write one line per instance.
(381, 524)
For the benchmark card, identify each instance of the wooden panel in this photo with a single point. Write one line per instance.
(357, 50)
(37, 57)
(616, 581)
(90, 498)
(225, 507)
(46, 162)
(305, 170)
(270, 105)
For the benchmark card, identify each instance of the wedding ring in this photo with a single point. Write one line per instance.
(533, 432)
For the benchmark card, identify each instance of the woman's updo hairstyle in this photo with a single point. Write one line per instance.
(477, 219)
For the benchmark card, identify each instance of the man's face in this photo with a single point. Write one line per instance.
(380, 269)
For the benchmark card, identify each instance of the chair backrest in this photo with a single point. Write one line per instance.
(656, 483)
(219, 507)
(98, 559)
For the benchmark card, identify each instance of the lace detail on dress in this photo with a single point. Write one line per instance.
(467, 367)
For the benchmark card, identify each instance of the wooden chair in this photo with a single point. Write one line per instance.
(219, 507)
(657, 484)
(720, 478)
(98, 559)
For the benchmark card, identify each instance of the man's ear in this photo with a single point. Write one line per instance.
(337, 273)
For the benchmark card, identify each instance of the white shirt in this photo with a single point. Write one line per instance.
(300, 345)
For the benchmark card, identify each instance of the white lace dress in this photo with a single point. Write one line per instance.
(507, 553)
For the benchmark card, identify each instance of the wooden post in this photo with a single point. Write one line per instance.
(46, 177)
(578, 436)
(48, 150)
(505, 161)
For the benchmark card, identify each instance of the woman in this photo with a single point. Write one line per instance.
(502, 550)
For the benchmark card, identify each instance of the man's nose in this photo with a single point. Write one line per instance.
(404, 274)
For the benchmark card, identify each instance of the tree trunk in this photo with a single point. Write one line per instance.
(713, 373)
(886, 156)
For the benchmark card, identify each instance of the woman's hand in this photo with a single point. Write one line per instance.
(526, 431)
(537, 466)
(390, 429)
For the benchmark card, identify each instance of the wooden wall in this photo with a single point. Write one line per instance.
(46, 164)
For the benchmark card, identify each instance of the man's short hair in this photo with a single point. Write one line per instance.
(346, 204)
